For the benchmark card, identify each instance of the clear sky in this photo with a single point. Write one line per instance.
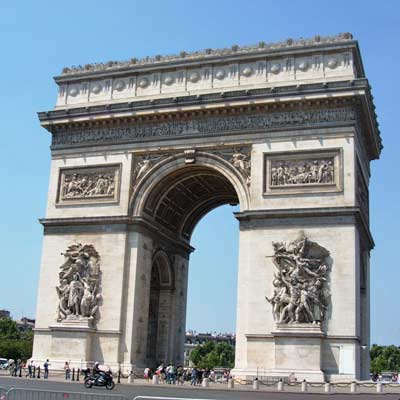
(38, 38)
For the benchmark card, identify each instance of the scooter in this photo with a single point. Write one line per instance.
(104, 378)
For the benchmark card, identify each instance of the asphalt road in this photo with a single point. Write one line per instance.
(131, 391)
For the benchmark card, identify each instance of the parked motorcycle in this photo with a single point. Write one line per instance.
(104, 378)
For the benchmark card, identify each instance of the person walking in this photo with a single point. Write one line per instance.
(67, 371)
(193, 380)
(46, 369)
(30, 369)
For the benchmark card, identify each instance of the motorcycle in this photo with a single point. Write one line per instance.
(104, 378)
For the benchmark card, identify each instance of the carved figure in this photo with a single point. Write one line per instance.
(79, 283)
(241, 161)
(75, 295)
(301, 293)
(88, 184)
(302, 172)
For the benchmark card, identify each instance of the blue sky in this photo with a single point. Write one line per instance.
(38, 38)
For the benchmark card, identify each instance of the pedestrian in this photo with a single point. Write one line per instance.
(67, 371)
(16, 367)
(193, 380)
(30, 368)
(179, 374)
(46, 369)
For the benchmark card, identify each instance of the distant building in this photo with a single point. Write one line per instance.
(193, 339)
(4, 314)
(25, 324)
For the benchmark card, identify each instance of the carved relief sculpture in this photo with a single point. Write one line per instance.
(79, 277)
(302, 172)
(239, 158)
(90, 184)
(301, 291)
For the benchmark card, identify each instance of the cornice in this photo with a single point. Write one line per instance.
(126, 222)
(208, 56)
(340, 215)
(153, 107)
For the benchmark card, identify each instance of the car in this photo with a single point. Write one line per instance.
(3, 363)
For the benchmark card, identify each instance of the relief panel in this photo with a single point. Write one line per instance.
(85, 185)
(302, 172)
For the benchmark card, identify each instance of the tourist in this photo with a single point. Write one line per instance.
(46, 369)
(30, 369)
(200, 373)
(161, 372)
(67, 371)
(148, 374)
(172, 374)
(179, 374)
(193, 380)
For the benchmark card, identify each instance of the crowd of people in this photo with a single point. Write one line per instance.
(394, 377)
(173, 375)
(29, 369)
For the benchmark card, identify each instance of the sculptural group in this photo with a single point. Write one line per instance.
(88, 185)
(79, 277)
(301, 293)
(300, 172)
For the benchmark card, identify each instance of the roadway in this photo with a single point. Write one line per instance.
(133, 390)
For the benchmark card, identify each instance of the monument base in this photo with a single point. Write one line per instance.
(298, 351)
(295, 349)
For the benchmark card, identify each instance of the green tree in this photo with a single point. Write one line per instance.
(8, 329)
(14, 344)
(210, 355)
(385, 358)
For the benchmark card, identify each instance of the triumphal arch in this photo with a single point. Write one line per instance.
(143, 149)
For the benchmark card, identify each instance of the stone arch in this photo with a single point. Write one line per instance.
(160, 302)
(202, 183)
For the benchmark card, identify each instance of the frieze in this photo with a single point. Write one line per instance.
(88, 184)
(299, 172)
(203, 126)
(302, 172)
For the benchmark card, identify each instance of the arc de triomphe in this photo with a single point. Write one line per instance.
(142, 149)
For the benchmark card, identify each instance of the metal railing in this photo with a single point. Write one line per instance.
(166, 398)
(33, 394)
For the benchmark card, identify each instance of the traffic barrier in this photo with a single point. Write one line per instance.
(256, 384)
(205, 382)
(166, 398)
(231, 384)
(379, 387)
(3, 393)
(304, 386)
(155, 380)
(31, 394)
(353, 387)
(280, 386)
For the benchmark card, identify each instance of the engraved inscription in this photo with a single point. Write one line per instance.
(302, 172)
(89, 184)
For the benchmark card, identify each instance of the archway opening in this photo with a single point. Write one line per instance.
(175, 204)
(183, 197)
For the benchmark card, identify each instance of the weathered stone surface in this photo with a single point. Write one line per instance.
(139, 158)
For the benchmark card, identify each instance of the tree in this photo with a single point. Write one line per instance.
(14, 344)
(210, 355)
(385, 358)
(8, 329)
